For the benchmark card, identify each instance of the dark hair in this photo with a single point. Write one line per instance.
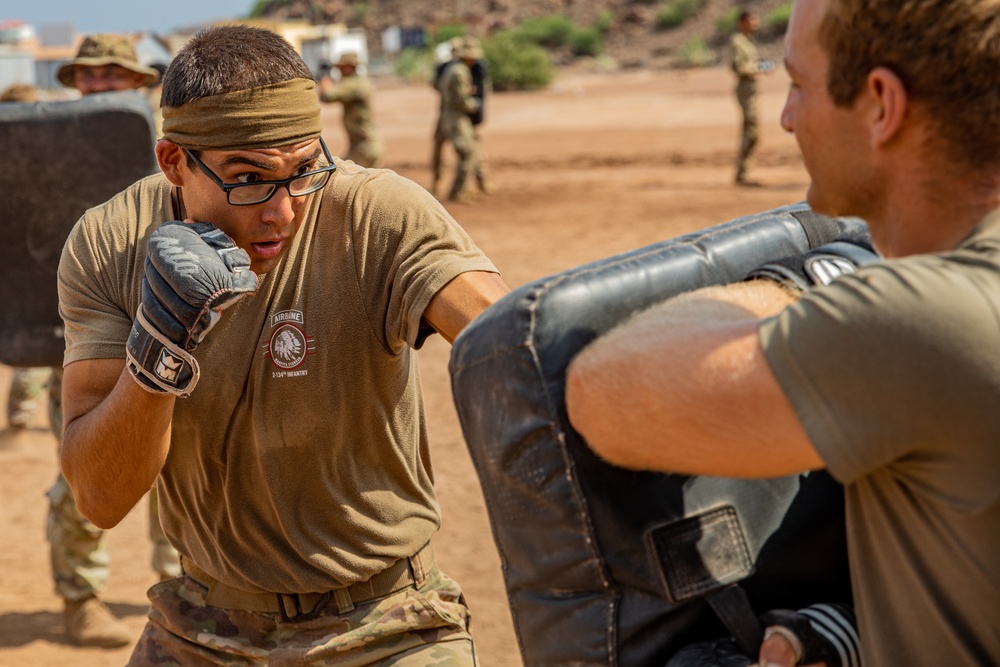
(229, 58)
(946, 52)
(744, 15)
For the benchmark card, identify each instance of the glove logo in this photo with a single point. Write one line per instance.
(168, 367)
(289, 345)
(824, 268)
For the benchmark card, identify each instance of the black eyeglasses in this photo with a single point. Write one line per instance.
(258, 192)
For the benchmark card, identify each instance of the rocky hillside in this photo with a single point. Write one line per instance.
(633, 37)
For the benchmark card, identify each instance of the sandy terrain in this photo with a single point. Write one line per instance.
(596, 165)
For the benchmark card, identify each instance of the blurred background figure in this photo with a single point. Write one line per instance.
(461, 110)
(27, 387)
(354, 92)
(440, 138)
(106, 63)
(80, 560)
(19, 92)
(747, 65)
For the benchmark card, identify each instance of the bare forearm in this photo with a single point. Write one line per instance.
(684, 387)
(112, 452)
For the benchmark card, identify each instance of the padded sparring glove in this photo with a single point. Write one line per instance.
(818, 266)
(192, 272)
(824, 632)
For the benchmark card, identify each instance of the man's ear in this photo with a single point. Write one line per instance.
(172, 161)
(887, 92)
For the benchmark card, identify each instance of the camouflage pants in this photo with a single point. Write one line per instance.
(746, 95)
(459, 130)
(367, 153)
(414, 627)
(26, 390)
(78, 549)
(440, 138)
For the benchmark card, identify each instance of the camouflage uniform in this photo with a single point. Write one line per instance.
(458, 102)
(355, 93)
(26, 388)
(79, 548)
(439, 135)
(419, 626)
(744, 64)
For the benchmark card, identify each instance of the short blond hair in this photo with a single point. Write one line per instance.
(946, 52)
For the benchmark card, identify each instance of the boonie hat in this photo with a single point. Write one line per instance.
(470, 49)
(348, 59)
(99, 50)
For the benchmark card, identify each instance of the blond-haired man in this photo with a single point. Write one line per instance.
(888, 377)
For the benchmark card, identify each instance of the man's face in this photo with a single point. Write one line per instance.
(750, 24)
(90, 79)
(264, 230)
(832, 139)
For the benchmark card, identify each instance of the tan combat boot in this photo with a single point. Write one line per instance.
(90, 623)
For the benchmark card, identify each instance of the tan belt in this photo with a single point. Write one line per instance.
(405, 572)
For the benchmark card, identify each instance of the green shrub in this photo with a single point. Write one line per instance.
(586, 42)
(676, 12)
(695, 53)
(516, 64)
(262, 7)
(414, 64)
(551, 31)
(448, 31)
(726, 23)
(360, 11)
(604, 21)
(777, 18)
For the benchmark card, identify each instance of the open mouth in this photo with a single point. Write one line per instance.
(267, 249)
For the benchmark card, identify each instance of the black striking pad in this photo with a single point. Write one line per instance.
(606, 566)
(59, 159)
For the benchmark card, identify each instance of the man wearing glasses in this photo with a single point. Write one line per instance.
(293, 472)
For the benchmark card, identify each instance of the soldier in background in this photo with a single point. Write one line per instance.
(26, 389)
(104, 63)
(748, 66)
(355, 93)
(459, 106)
(440, 138)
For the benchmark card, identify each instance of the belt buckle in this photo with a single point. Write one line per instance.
(299, 614)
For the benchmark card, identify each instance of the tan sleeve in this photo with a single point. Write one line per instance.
(407, 247)
(882, 370)
(744, 56)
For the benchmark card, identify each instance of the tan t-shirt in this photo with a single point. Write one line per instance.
(300, 463)
(894, 372)
(745, 57)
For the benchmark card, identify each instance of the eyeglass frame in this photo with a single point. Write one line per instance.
(286, 182)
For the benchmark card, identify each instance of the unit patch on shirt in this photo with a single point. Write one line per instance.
(289, 345)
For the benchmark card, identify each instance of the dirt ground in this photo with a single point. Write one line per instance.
(596, 165)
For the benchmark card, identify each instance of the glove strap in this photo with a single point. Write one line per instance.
(158, 364)
(825, 632)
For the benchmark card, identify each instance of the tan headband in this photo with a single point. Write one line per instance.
(277, 115)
